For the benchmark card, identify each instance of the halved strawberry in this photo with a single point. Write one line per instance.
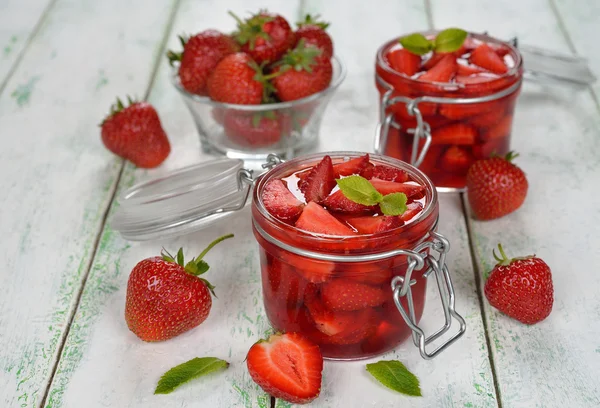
(475, 79)
(350, 167)
(363, 326)
(280, 202)
(412, 210)
(458, 112)
(385, 336)
(319, 182)
(373, 225)
(457, 133)
(492, 147)
(316, 219)
(312, 270)
(290, 319)
(284, 284)
(500, 130)
(485, 57)
(287, 366)
(339, 203)
(467, 69)
(383, 172)
(404, 61)
(388, 187)
(488, 119)
(456, 159)
(327, 321)
(371, 274)
(432, 61)
(443, 71)
(346, 296)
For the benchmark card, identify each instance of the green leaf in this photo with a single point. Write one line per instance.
(417, 44)
(180, 256)
(359, 190)
(450, 40)
(393, 204)
(394, 375)
(187, 371)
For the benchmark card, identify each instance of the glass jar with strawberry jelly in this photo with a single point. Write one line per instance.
(441, 128)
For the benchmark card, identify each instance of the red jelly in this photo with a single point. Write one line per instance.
(308, 285)
(469, 114)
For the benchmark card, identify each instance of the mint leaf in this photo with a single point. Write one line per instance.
(394, 375)
(450, 40)
(417, 44)
(359, 190)
(187, 371)
(393, 204)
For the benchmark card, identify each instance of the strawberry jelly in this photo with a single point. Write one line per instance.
(347, 308)
(460, 132)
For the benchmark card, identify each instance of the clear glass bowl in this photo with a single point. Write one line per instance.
(251, 132)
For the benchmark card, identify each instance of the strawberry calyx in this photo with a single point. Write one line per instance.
(505, 260)
(301, 58)
(265, 80)
(118, 107)
(173, 56)
(251, 29)
(313, 21)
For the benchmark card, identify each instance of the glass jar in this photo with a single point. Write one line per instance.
(298, 266)
(415, 116)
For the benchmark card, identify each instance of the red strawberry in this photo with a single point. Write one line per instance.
(404, 61)
(290, 319)
(388, 173)
(135, 134)
(443, 71)
(432, 61)
(264, 36)
(302, 72)
(500, 130)
(373, 225)
(467, 69)
(287, 366)
(362, 327)
(487, 119)
(474, 79)
(326, 321)
(495, 187)
(412, 210)
(234, 80)
(342, 295)
(455, 159)
(312, 270)
(319, 181)
(284, 284)
(201, 54)
(388, 187)
(352, 166)
(371, 274)
(458, 112)
(313, 32)
(166, 297)
(338, 202)
(457, 134)
(280, 202)
(316, 219)
(255, 129)
(493, 147)
(485, 57)
(521, 288)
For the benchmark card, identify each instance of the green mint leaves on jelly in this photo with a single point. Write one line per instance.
(448, 40)
(187, 371)
(360, 190)
(394, 375)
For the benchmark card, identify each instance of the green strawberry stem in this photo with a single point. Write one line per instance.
(251, 29)
(505, 260)
(301, 58)
(212, 244)
(176, 56)
(313, 20)
(510, 156)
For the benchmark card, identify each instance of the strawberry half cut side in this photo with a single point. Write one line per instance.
(350, 167)
(280, 202)
(316, 219)
(373, 225)
(319, 182)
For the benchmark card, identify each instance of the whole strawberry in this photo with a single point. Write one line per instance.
(265, 36)
(313, 32)
(495, 187)
(166, 297)
(301, 72)
(136, 134)
(257, 129)
(520, 288)
(237, 79)
(201, 54)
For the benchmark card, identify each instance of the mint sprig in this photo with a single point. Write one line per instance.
(360, 190)
(394, 375)
(448, 40)
(187, 371)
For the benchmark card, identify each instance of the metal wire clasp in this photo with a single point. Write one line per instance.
(418, 259)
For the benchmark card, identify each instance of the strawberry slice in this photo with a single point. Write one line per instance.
(312, 270)
(327, 321)
(346, 296)
(388, 187)
(388, 173)
(350, 167)
(432, 61)
(487, 119)
(319, 182)
(467, 69)
(373, 225)
(404, 61)
(280, 202)
(287, 366)
(371, 274)
(284, 284)
(290, 319)
(316, 219)
(363, 326)
(338, 202)
(412, 210)
(457, 133)
(475, 79)
(485, 57)
(443, 71)
(456, 159)
(458, 112)
(500, 130)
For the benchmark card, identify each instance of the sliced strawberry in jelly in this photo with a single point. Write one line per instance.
(467, 69)
(456, 158)
(327, 321)
(443, 71)
(388, 187)
(319, 182)
(458, 112)
(338, 202)
(370, 273)
(485, 57)
(387, 173)
(385, 336)
(316, 219)
(346, 296)
(292, 319)
(404, 61)
(350, 167)
(432, 61)
(312, 270)
(362, 327)
(491, 147)
(280, 202)
(284, 285)
(412, 210)
(367, 172)
(500, 130)
(373, 225)
(475, 79)
(457, 133)
(487, 119)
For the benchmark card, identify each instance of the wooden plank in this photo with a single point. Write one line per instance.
(554, 363)
(18, 19)
(103, 363)
(57, 176)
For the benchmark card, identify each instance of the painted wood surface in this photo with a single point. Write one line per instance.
(57, 178)
(555, 363)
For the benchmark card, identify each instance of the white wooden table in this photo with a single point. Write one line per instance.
(63, 339)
